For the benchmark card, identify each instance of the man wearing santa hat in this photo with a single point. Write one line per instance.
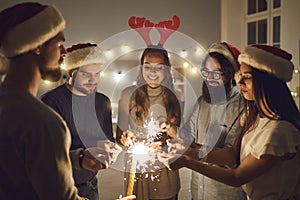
(34, 140)
(86, 111)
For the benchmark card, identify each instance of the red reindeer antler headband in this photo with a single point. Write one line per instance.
(143, 26)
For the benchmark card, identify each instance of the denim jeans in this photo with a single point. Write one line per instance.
(89, 189)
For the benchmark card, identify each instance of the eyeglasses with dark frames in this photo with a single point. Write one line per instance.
(216, 75)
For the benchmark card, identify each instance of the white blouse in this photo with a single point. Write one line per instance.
(273, 137)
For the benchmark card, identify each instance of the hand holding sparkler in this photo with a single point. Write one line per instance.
(191, 149)
(93, 159)
(180, 151)
(128, 138)
(111, 151)
(166, 127)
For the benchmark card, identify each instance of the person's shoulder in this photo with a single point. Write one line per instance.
(280, 124)
(128, 91)
(32, 108)
(59, 90)
(235, 96)
(102, 96)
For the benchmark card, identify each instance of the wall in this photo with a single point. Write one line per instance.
(290, 38)
(232, 22)
(233, 29)
(99, 21)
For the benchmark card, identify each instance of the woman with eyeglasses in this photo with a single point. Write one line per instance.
(152, 98)
(267, 150)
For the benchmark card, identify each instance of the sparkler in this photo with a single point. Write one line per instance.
(143, 152)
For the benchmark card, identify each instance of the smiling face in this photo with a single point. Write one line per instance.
(246, 83)
(85, 80)
(153, 70)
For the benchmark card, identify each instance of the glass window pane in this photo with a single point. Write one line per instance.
(277, 45)
(251, 6)
(276, 29)
(262, 5)
(262, 31)
(252, 33)
(276, 4)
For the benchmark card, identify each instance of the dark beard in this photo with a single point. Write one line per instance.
(215, 95)
(84, 91)
(51, 75)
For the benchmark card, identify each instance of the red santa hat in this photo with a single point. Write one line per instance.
(25, 26)
(83, 54)
(269, 59)
(229, 51)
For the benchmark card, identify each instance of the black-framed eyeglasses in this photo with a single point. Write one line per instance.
(216, 75)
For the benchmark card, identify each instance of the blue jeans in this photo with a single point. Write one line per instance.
(89, 189)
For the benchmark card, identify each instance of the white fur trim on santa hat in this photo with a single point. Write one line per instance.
(33, 32)
(223, 49)
(85, 56)
(268, 62)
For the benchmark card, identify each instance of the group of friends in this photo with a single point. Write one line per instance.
(241, 141)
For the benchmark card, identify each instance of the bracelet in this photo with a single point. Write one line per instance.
(81, 155)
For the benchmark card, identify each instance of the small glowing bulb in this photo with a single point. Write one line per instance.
(108, 53)
(125, 48)
(118, 76)
(63, 66)
(47, 82)
(198, 51)
(194, 69)
(185, 64)
(183, 53)
(296, 71)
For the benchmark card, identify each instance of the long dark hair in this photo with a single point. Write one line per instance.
(226, 66)
(274, 96)
(229, 72)
(170, 100)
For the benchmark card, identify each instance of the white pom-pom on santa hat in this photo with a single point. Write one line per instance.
(269, 59)
(83, 54)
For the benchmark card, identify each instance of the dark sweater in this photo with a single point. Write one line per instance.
(88, 118)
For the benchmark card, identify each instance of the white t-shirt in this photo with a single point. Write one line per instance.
(273, 137)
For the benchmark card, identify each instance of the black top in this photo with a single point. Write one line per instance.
(88, 118)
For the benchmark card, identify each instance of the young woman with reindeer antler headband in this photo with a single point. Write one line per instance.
(153, 97)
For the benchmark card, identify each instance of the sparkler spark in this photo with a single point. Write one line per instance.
(144, 154)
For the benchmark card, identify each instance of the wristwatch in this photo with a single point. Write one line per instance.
(81, 155)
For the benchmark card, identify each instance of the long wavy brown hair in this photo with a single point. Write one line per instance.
(170, 100)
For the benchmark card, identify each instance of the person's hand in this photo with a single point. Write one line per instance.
(111, 151)
(94, 159)
(166, 127)
(172, 161)
(131, 197)
(178, 161)
(128, 138)
(180, 146)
